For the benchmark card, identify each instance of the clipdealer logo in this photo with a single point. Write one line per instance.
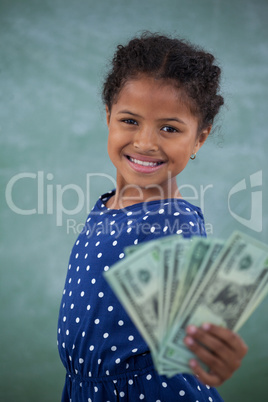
(49, 194)
(255, 220)
(50, 197)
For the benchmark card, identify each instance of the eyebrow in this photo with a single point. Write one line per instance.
(174, 119)
(166, 119)
(128, 112)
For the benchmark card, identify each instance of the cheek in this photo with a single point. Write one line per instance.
(110, 147)
(180, 151)
(117, 140)
(114, 144)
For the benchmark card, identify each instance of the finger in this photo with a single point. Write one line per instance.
(216, 353)
(230, 338)
(207, 346)
(212, 379)
(221, 337)
(223, 369)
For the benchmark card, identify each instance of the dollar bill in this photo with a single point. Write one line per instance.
(175, 282)
(203, 274)
(167, 284)
(192, 262)
(215, 246)
(237, 274)
(135, 281)
(261, 293)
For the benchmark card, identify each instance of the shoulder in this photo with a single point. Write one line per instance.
(175, 216)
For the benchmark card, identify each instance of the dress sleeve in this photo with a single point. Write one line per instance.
(171, 220)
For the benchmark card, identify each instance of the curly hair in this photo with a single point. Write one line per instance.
(189, 67)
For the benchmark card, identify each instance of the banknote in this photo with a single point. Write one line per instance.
(135, 280)
(194, 257)
(237, 274)
(175, 277)
(167, 284)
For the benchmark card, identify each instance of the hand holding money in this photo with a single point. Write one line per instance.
(172, 285)
(223, 352)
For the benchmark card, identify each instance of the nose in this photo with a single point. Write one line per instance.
(146, 140)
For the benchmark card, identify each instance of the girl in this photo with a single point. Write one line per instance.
(161, 97)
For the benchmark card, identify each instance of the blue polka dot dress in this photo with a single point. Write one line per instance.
(105, 357)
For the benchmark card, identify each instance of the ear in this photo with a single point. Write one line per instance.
(108, 115)
(202, 138)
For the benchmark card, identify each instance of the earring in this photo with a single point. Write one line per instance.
(193, 156)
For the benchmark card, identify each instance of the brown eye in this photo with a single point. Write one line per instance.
(169, 129)
(129, 121)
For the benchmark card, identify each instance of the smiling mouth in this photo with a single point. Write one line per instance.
(143, 163)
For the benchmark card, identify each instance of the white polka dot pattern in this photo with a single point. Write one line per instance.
(96, 338)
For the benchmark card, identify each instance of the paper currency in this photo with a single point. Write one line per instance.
(169, 283)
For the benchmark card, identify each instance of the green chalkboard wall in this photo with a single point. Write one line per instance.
(54, 163)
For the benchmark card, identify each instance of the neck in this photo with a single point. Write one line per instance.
(131, 194)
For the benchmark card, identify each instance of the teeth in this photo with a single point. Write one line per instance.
(143, 163)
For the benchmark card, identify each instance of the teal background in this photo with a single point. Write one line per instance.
(53, 54)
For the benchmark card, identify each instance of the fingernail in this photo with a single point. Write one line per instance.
(191, 329)
(206, 326)
(192, 363)
(189, 340)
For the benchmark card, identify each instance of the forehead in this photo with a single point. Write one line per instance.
(156, 94)
(141, 85)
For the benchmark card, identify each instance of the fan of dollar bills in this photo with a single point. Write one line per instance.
(169, 283)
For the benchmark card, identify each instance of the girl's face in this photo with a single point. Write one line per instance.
(152, 135)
